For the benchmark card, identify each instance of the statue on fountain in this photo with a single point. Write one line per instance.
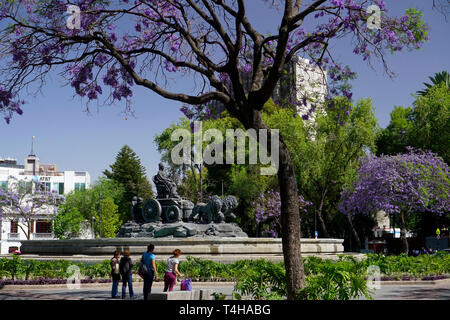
(165, 187)
(170, 215)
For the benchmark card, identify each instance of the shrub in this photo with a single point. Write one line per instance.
(334, 280)
(263, 281)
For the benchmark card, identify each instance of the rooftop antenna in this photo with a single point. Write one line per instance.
(32, 148)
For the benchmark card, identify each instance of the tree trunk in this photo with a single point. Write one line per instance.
(290, 217)
(319, 215)
(405, 247)
(26, 232)
(290, 223)
(201, 183)
(322, 223)
(354, 234)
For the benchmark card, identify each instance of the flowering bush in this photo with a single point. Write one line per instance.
(268, 210)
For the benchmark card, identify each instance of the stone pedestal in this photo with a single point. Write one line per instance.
(180, 229)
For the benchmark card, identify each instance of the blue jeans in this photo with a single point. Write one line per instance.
(148, 281)
(127, 279)
(114, 290)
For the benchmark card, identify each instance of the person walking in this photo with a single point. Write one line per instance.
(149, 259)
(170, 276)
(115, 274)
(126, 271)
(438, 234)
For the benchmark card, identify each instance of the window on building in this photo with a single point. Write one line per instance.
(4, 185)
(25, 186)
(48, 187)
(58, 187)
(43, 226)
(80, 186)
(55, 187)
(14, 227)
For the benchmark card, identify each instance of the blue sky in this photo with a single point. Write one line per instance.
(75, 140)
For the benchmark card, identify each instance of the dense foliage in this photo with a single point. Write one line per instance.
(128, 171)
(325, 154)
(425, 125)
(95, 207)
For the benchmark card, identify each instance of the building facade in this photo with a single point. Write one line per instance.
(303, 87)
(13, 228)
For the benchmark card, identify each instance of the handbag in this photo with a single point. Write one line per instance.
(186, 285)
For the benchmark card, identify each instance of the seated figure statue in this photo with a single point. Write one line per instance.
(165, 187)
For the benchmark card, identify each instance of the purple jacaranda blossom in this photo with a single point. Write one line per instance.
(268, 209)
(152, 26)
(415, 180)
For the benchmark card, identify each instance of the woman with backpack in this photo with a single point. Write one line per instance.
(126, 271)
(115, 274)
(170, 276)
(150, 272)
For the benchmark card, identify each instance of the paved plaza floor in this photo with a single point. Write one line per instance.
(438, 291)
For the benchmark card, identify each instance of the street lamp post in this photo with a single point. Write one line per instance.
(316, 234)
(93, 229)
(100, 213)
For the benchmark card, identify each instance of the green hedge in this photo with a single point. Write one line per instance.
(259, 279)
(199, 269)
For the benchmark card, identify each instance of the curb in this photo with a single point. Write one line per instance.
(106, 285)
(415, 282)
(197, 284)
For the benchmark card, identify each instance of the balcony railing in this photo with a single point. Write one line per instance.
(39, 236)
(42, 173)
(13, 236)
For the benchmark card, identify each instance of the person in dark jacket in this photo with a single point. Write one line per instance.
(126, 271)
(115, 274)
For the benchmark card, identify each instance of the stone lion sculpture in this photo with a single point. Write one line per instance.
(229, 203)
(207, 213)
(216, 210)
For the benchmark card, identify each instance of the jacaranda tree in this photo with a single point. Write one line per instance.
(400, 184)
(118, 44)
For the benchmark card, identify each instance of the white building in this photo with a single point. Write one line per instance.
(310, 84)
(11, 228)
(308, 81)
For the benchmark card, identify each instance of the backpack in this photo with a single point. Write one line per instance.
(115, 267)
(124, 265)
(143, 270)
